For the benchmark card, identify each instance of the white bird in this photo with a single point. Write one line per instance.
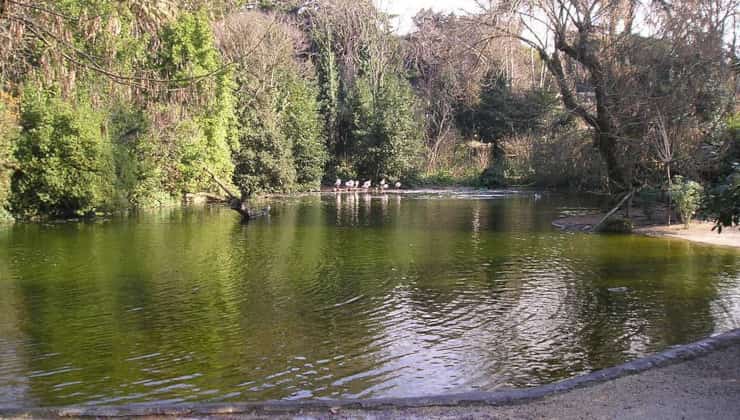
(338, 183)
(398, 184)
(367, 184)
(349, 184)
(537, 196)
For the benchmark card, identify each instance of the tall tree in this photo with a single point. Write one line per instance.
(593, 41)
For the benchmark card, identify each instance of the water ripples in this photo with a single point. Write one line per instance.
(342, 297)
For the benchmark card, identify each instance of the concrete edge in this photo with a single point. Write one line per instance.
(671, 356)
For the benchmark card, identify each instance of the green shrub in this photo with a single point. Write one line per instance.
(387, 137)
(8, 136)
(686, 196)
(723, 201)
(302, 124)
(65, 165)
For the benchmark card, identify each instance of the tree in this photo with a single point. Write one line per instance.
(388, 138)
(302, 124)
(278, 147)
(206, 129)
(592, 61)
(366, 101)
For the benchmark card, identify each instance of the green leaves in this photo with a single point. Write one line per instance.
(686, 195)
(8, 134)
(388, 139)
(65, 159)
(723, 201)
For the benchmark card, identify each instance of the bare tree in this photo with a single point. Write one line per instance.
(590, 58)
(663, 143)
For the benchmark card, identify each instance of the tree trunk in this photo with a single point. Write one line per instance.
(670, 184)
(606, 142)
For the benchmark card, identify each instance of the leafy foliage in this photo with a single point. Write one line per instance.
(502, 113)
(203, 140)
(387, 137)
(8, 134)
(65, 158)
(686, 195)
(302, 124)
(151, 98)
(723, 201)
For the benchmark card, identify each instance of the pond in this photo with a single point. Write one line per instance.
(342, 296)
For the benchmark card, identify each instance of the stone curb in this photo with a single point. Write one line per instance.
(671, 356)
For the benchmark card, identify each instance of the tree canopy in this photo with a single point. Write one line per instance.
(123, 104)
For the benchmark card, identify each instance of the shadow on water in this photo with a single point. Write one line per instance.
(350, 295)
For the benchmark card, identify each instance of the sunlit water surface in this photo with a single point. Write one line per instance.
(342, 296)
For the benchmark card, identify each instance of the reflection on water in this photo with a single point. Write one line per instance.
(351, 295)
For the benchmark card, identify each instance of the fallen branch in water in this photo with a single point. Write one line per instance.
(627, 196)
(236, 203)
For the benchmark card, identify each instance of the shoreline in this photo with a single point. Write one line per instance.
(699, 231)
(697, 369)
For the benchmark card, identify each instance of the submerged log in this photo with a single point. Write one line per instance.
(237, 204)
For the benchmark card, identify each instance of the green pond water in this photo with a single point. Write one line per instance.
(344, 296)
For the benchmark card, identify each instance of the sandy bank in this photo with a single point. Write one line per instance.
(699, 231)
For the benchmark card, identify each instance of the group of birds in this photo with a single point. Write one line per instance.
(355, 185)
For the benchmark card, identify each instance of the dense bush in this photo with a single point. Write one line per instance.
(203, 140)
(501, 113)
(8, 134)
(388, 139)
(65, 159)
(302, 124)
(686, 196)
(723, 200)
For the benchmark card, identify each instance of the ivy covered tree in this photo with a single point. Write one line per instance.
(193, 64)
(278, 144)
